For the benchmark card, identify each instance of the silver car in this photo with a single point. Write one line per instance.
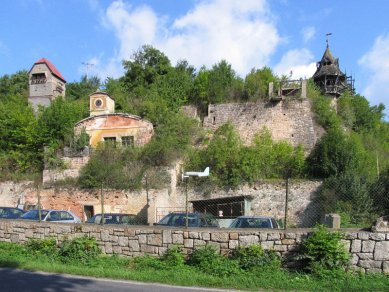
(254, 222)
(52, 216)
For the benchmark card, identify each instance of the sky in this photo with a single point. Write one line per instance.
(93, 37)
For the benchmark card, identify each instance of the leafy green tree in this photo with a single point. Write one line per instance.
(199, 94)
(380, 193)
(20, 148)
(221, 80)
(81, 90)
(172, 140)
(14, 86)
(337, 153)
(257, 82)
(348, 194)
(56, 122)
(146, 65)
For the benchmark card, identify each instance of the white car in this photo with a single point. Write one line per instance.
(52, 216)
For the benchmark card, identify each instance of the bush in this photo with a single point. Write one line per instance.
(173, 257)
(209, 261)
(47, 247)
(253, 256)
(324, 251)
(79, 249)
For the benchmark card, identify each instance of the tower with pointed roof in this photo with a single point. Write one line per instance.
(329, 78)
(45, 83)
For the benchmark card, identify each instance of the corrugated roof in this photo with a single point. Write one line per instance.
(51, 67)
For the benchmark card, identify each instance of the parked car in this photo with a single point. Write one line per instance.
(114, 218)
(254, 222)
(52, 216)
(194, 220)
(10, 213)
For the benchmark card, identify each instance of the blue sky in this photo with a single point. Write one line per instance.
(286, 35)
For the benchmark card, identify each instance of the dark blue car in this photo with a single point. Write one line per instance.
(10, 213)
(194, 220)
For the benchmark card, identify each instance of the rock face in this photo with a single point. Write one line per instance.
(382, 224)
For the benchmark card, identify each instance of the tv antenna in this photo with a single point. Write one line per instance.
(327, 38)
(87, 67)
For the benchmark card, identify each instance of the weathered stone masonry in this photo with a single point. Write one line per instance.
(370, 251)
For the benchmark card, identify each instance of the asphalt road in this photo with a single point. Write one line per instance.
(14, 280)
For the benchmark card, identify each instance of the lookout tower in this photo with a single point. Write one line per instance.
(329, 78)
(45, 83)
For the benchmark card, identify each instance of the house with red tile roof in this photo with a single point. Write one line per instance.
(45, 83)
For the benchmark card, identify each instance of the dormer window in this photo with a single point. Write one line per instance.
(38, 78)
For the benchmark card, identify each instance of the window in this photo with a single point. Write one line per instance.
(65, 216)
(110, 139)
(128, 141)
(38, 78)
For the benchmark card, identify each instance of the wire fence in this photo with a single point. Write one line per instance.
(343, 201)
(347, 202)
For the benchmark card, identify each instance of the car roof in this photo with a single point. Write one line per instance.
(11, 208)
(122, 214)
(255, 217)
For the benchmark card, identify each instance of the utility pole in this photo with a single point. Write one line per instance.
(87, 67)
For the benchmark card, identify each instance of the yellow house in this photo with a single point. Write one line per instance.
(104, 124)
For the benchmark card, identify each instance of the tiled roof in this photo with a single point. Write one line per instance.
(51, 67)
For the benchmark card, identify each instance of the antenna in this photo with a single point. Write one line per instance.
(87, 67)
(327, 38)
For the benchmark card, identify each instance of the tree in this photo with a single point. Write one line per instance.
(256, 83)
(81, 90)
(14, 86)
(147, 64)
(171, 140)
(19, 145)
(337, 153)
(56, 122)
(220, 82)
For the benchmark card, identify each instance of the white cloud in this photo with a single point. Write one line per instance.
(297, 62)
(376, 61)
(308, 33)
(242, 33)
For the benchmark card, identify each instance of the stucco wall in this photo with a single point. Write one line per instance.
(370, 251)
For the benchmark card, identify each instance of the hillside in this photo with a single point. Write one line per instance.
(354, 149)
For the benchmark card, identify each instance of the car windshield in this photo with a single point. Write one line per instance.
(251, 223)
(34, 214)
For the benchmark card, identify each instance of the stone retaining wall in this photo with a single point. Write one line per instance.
(370, 251)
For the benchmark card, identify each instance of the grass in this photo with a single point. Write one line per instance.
(147, 269)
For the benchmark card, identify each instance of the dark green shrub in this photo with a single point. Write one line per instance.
(253, 256)
(173, 256)
(324, 251)
(79, 249)
(209, 261)
(47, 247)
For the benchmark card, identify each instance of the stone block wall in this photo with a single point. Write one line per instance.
(290, 120)
(370, 251)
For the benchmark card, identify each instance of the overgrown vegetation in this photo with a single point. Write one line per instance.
(353, 151)
(323, 251)
(248, 268)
